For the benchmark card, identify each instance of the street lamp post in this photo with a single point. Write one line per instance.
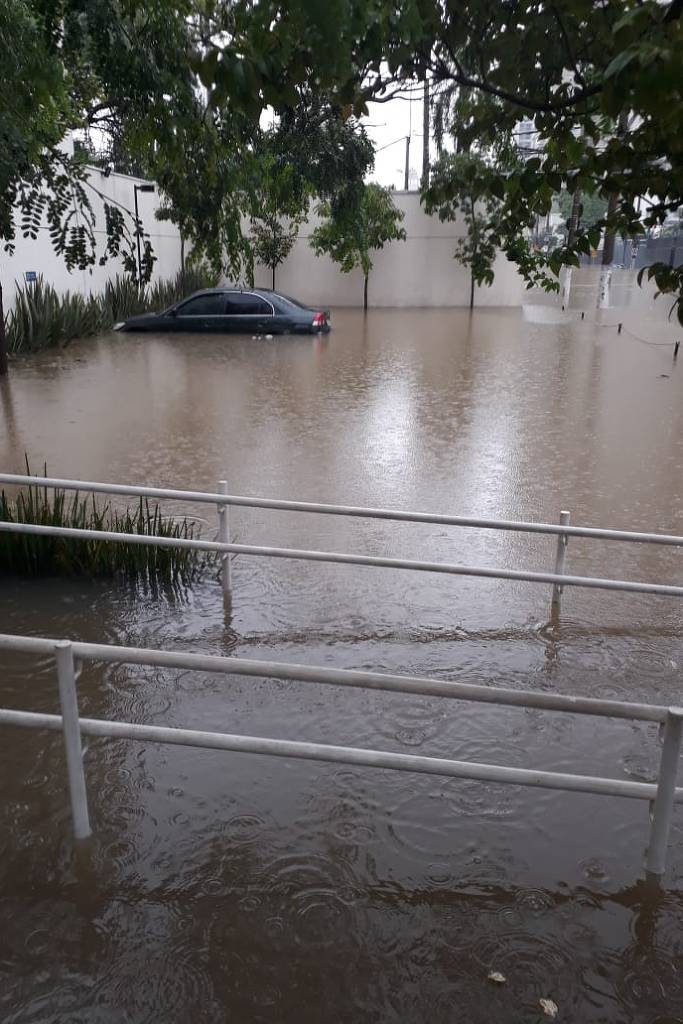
(136, 189)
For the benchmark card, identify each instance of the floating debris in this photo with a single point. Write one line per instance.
(496, 976)
(549, 1008)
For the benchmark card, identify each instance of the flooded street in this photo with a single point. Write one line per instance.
(226, 887)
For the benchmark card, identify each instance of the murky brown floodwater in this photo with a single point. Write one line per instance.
(222, 887)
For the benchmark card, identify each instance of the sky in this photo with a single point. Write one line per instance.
(387, 125)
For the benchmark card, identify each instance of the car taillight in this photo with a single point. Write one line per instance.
(319, 320)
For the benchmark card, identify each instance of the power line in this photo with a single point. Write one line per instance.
(401, 139)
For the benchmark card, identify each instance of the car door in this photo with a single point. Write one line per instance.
(201, 314)
(249, 313)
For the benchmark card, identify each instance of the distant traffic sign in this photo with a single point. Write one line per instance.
(31, 276)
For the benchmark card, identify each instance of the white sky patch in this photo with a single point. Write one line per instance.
(388, 125)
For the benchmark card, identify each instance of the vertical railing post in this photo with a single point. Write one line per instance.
(560, 555)
(662, 810)
(224, 538)
(66, 676)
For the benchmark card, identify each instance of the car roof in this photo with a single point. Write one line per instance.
(229, 291)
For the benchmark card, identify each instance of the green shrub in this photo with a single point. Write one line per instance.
(33, 555)
(42, 318)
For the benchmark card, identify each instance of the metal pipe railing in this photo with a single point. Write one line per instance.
(221, 498)
(343, 755)
(662, 796)
(565, 580)
(422, 686)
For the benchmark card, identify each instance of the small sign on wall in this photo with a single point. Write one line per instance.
(30, 276)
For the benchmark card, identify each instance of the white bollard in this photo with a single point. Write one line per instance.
(560, 555)
(66, 676)
(662, 811)
(603, 288)
(224, 538)
(566, 285)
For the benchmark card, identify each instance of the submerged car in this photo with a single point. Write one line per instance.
(234, 311)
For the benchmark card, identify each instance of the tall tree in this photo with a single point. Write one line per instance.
(459, 192)
(351, 239)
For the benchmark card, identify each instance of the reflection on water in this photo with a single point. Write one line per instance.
(222, 886)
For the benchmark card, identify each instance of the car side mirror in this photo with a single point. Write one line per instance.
(173, 312)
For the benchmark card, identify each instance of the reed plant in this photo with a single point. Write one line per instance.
(34, 555)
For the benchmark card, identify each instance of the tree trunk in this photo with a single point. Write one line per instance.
(4, 365)
(472, 289)
(273, 269)
(365, 293)
(182, 263)
(574, 217)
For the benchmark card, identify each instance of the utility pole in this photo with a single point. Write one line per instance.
(406, 180)
(425, 135)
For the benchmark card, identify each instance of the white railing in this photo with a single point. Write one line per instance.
(67, 654)
(558, 578)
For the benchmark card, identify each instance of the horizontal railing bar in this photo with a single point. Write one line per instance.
(394, 683)
(343, 755)
(399, 515)
(595, 583)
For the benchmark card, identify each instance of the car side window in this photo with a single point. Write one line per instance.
(203, 305)
(248, 305)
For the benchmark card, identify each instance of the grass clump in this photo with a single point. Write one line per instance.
(34, 555)
(44, 318)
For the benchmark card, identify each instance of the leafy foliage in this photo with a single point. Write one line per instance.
(351, 238)
(265, 176)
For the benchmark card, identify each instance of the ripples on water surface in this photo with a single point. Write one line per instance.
(220, 886)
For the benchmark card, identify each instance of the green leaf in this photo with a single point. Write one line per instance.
(621, 61)
(497, 187)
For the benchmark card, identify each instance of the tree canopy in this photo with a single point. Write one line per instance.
(573, 66)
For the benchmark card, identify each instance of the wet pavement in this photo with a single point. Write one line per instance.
(234, 887)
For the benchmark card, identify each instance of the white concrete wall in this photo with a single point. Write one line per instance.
(39, 255)
(418, 272)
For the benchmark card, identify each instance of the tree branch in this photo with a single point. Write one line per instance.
(570, 52)
(457, 74)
